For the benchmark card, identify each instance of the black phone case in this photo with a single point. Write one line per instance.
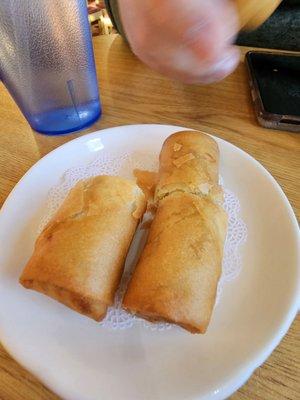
(289, 123)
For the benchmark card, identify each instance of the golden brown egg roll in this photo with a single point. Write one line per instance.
(176, 277)
(189, 162)
(78, 258)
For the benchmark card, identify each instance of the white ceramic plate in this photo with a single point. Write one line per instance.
(79, 360)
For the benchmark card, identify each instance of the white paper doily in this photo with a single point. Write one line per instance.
(123, 164)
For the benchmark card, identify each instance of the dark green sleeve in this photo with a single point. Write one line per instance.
(113, 11)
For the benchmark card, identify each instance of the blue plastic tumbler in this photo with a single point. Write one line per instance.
(47, 63)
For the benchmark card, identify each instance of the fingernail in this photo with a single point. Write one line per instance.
(221, 68)
(226, 64)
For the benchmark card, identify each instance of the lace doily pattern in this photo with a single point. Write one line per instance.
(123, 164)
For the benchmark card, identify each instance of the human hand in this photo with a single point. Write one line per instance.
(188, 40)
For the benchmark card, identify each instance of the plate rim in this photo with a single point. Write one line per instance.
(234, 383)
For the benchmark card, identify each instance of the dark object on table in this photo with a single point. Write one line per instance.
(275, 89)
(280, 31)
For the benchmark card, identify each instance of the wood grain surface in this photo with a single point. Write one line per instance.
(132, 94)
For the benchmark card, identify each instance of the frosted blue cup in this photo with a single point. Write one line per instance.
(47, 63)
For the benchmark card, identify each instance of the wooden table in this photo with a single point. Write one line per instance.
(131, 93)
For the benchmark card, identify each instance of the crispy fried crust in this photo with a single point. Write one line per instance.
(189, 162)
(78, 258)
(177, 275)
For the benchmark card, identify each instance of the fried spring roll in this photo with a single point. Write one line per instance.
(176, 277)
(78, 259)
(189, 162)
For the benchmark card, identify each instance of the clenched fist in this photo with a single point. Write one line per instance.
(189, 40)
